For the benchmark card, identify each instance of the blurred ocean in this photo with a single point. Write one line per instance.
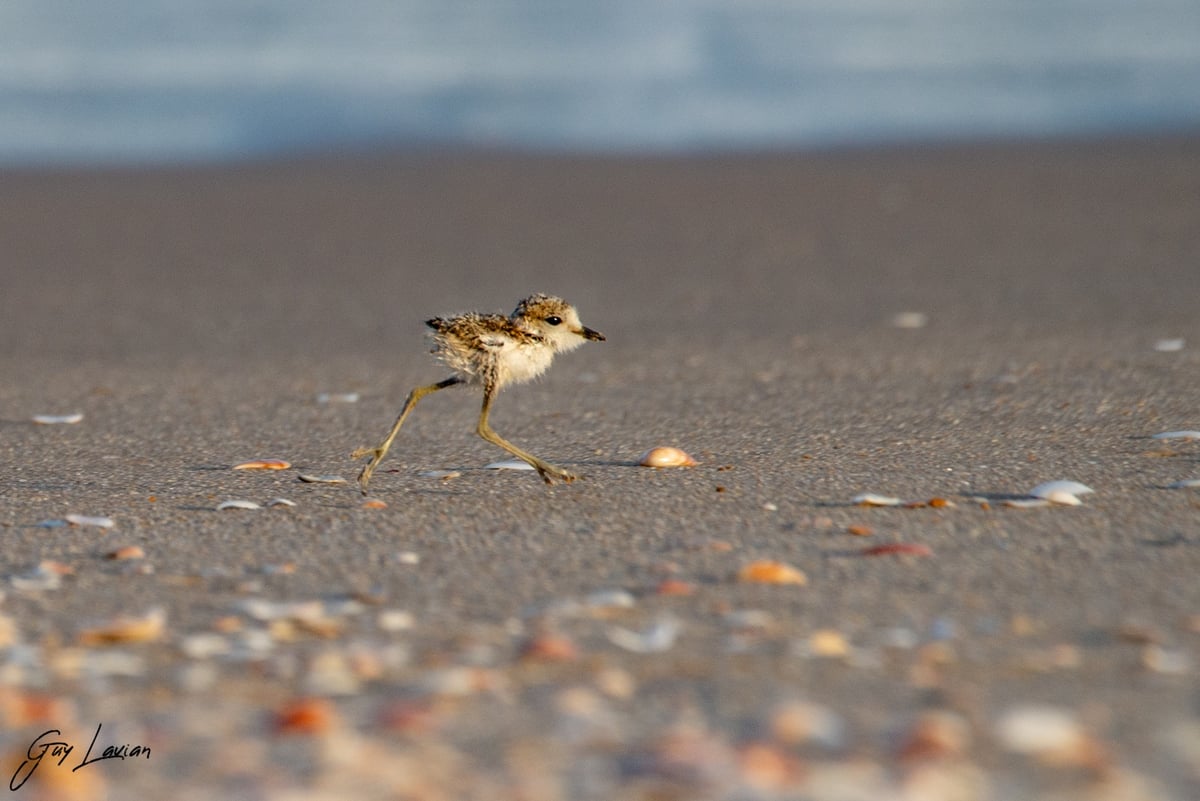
(168, 80)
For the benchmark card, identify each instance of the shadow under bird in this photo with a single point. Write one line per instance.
(493, 351)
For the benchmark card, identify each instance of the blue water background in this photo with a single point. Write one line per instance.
(126, 81)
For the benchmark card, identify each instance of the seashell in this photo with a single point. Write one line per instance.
(1027, 503)
(337, 397)
(859, 530)
(1063, 492)
(603, 601)
(445, 475)
(408, 558)
(57, 419)
(897, 549)
(1048, 733)
(766, 571)
(509, 464)
(237, 504)
(657, 639)
(85, 520)
(1177, 435)
(1186, 483)
(1169, 345)
(910, 319)
(147, 628)
(871, 499)
(329, 479)
(263, 464)
(307, 716)
(665, 456)
(280, 502)
(672, 586)
(374, 503)
(549, 647)
(126, 552)
(54, 523)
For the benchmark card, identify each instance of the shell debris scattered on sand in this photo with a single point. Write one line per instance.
(57, 419)
(666, 456)
(263, 464)
(1177, 435)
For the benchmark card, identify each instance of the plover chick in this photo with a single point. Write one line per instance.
(493, 351)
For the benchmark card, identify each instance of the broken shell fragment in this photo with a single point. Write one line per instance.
(1027, 503)
(237, 504)
(1186, 483)
(898, 549)
(86, 520)
(147, 628)
(263, 464)
(766, 571)
(1177, 435)
(444, 475)
(280, 502)
(657, 639)
(664, 456)
(871, 499)
(509, 464)
(311, 479)
(1063, 492)
(374, 503)
(57, 419)
(126, 552)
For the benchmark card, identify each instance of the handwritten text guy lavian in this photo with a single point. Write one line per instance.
(46, 745)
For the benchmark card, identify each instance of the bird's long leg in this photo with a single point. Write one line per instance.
(547, 471)
(377, 453)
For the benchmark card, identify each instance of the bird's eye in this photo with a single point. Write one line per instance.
(554, 319)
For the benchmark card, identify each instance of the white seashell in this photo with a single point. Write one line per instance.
(237, 504)
(337, 397)
(871, 499)
(1063, 492)
(84, 520)
(1038, 730)
(58, 419)
(1168, 345)
(509, 464)
(610, 599)
(1030, 503)
(311, 479)
(1177, 435)
(445, 475)
(910, 319)
(1186, 483)
(395, 620)
(665, 456)
(408, 558)
(280, 502)
(657, 639)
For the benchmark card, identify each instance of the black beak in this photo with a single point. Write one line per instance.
(594, 336)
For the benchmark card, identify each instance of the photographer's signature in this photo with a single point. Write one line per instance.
(49, 744)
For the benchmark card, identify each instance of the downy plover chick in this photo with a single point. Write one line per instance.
(493, 351)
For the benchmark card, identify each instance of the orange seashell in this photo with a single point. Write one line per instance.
(770, 572)
(147, 628)
(939, 503)
(374, 503)
(663, 456)
(305, 716)
(549, 648)
(675, 587)
(860, 530)
(263, 464)
(127, 552)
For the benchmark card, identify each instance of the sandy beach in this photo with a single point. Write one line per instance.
(951, 325)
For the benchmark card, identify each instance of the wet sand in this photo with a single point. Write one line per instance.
(457, 644)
